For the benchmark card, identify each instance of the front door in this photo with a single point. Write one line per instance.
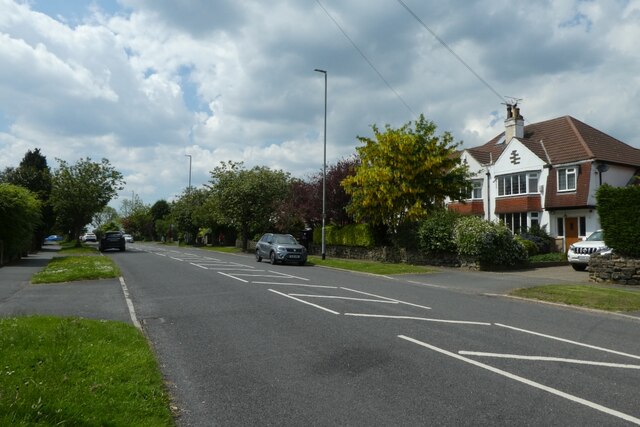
(570, 232)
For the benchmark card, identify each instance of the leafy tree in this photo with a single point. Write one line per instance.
(247, 199)
(34, 174)
(106, 215)
(404, 173)
(159, 210)
(80, 191)
(187, 214)
(19, 217)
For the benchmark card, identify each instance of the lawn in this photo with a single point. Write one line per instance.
(592, 296)
(69, 371)
(71, 268)
(372, 267)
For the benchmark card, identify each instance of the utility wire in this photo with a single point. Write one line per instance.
(442, 42)
(367, 59)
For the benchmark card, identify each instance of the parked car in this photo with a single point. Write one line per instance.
(128, 238)
(580, 252)
(54, 238)
(89, 237)
(280, 248)
(112, 240)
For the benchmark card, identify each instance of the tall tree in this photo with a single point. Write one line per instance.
(404, 173)
(105, 216)
(81, 190)
(159, 211)
(247, 199)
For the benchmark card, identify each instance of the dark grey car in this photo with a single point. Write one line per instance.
(112, 240)
(280, 248)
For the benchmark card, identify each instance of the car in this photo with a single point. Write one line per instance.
(89, 237)
(579, 253)
(282, 248)
(112, 240)
(128, 238)
(54, 238)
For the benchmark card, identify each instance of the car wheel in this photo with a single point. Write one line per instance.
(258, 257)
(272, 258)
(579, 267)
(122, 249)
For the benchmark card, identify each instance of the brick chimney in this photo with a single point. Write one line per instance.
(514, 124)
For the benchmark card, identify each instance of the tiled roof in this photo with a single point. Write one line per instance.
(564, 140)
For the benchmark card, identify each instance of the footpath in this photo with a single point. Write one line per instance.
(92, 299)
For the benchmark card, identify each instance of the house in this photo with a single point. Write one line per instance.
(546, 174)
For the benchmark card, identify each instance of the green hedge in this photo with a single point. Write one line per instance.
(348, 235)
(19, 217)
(618, 208)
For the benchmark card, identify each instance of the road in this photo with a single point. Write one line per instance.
(247, 343)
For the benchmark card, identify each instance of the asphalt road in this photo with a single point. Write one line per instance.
(247, 343)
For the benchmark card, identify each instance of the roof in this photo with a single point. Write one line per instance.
(564, 140)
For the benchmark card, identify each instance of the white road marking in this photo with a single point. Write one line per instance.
(633, 356)
(132, 311)
(304, 302)
(295, 284)
(345, 298)
(426, 284)
(198, 265)
(426, 319)
(288, 275)
(390, 299)
(528, 382)
(233, 277)
(548, 359)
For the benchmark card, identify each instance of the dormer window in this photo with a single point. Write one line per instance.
(567, 178)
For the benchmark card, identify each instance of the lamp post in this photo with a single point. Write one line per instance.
(189, 156)
(324, 166)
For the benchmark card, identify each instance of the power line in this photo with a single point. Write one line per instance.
(367, 59)
(446, 46)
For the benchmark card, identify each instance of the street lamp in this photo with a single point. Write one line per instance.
(189, 156)
(324, 165)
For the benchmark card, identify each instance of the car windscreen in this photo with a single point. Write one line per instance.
(287, 240)
(596, 236)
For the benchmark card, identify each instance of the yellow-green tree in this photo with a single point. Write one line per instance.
(404, 173)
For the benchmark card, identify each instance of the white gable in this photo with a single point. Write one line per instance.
(515, 158)
(475, 168)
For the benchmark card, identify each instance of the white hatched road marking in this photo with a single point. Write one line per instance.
(548, 359)
(304, 302)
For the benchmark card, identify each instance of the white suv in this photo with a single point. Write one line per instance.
(580, 252)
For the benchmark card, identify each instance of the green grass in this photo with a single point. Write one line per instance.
(69, 371)
(372, 267)
(71, 268)
(599, 297)
(71, 249)
(225, 249)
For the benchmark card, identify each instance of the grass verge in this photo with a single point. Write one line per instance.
(225, 249)
(368, 266)
(598, 297)
(69, 371)
(71, 268)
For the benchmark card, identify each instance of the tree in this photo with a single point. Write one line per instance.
(80, 191)
(187, 214)
(34, 174)
(105, 216)
(245, 199)
(159, 211)
(19, 217)
(404, 173)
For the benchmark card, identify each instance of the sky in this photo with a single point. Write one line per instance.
(148, 83)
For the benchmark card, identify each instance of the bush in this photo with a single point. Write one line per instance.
(529, 246)
(489, 244)
(349, 235)
(618, 210)
(540, 238)
(19, 217)
(436, 233)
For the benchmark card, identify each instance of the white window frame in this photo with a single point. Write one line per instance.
(476, 189)
(567, 173)
(508, 183)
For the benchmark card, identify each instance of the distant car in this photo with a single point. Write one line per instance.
(580, 252)
(128, 238)
(89, 237)
(54, 238)
(112, 240)
(280, 248)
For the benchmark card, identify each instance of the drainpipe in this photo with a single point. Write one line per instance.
(488, 195)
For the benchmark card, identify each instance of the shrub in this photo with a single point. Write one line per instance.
(618, 211)
(541, 238)
(349, 235)
(436, 233)
(529, 246)
(489, 244)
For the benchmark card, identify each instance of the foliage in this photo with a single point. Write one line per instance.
(490, 244)
(618, 209)
(246, 198)
(108, 226)
(529, 246)
(81, 190)
(436, 232)
(34, 174)
(348, 235)
(188, 214)
(19, 217)
(405, 173)
(137, 219)
(539, 236)
(160, 210)
(105, 216)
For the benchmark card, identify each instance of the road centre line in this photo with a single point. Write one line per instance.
(345, 298)
(304, 302)
(528, 382)
(295, 284)
(633, 356)
(548, 359)
(390, 299)
(425, 319)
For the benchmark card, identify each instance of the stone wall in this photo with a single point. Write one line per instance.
(614, 269)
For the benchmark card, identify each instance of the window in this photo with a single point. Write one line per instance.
(476, 190)
(560, 226)
(520, 183)
(517, 222)
(567, 179)
(582, 226)
(535, 219)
